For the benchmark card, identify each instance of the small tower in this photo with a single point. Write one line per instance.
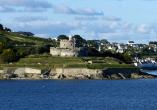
(99, 48)
(73, 42)
(70, 38)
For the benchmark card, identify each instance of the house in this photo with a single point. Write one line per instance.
(153, 45)
(121, 48)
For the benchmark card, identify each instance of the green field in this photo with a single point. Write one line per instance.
(47, 61)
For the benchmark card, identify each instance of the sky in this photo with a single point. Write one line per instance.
(114, 20)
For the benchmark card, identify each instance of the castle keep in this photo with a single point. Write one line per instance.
(66, 49)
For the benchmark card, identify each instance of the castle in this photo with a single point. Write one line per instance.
(67, 49)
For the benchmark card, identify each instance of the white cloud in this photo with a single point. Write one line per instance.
(144, 29)
(53, 28)
(68, 10)
(24, 5)
(30, 18)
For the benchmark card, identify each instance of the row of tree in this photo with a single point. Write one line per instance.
(81, 42)
(2, 28)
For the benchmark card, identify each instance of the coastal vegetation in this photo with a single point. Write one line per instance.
(23, 55)
(18, 46)
(21, 49)
(47, 61)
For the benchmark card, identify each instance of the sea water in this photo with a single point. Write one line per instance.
(79, 95)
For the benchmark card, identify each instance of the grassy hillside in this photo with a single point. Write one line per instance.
(14, 46)
(47, 61)
(23, 50)
(17, 39)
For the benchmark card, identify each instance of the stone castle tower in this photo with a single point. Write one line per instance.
(67, 44)
(66, 49)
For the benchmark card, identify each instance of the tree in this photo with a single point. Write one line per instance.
(1, 27)
(2, 46)
(7, 29)
(26, 33)
(127, 58)
(80, 42)
(61, 37)
(7, 56)
(104, 41)
(92, 52)
(93, 43)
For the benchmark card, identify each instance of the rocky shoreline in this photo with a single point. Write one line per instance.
(73, 73)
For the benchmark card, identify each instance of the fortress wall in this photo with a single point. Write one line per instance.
(63, 52)
(67, 52)
(55, 51)
(67, 44)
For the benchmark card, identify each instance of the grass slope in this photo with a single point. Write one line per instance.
(47, 61)
(16, 38)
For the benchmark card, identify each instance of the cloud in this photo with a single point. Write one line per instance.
(90, 30)
(30, 18)
(144, 29)
(24, 5)
(72, 11)
(53, 28)
(112, 19)
(113, 31)
(86, 18)
(6, 9)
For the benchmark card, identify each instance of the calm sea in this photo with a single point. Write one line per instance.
(79, 95)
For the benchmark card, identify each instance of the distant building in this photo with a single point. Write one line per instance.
(131, 43)
(67, 49)
(121, 48)
(153, 45)
(67, 44)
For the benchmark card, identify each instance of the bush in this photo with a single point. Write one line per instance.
(7, 56)
(2, 46)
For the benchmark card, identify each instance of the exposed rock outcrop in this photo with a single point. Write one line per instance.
(73, 73)
(22, 73)
(1, 74)
(84, 73)
(76, 73)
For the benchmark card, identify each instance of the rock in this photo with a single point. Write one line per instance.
(28, 73)
(74, 73)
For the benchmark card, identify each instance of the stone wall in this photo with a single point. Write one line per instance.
(76, 73)
(73, 73)
(1, 74)
(1, 71)
(64, 52)
(28, 73)
(67, 44)
(55, 51)
(84, 73)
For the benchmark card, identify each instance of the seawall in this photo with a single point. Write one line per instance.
(73, 73)
(110, 73)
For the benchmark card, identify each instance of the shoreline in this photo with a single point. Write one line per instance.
(26, 73)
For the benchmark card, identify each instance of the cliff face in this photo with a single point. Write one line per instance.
(73, 73)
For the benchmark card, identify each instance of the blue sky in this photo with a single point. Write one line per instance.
(115, 20)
